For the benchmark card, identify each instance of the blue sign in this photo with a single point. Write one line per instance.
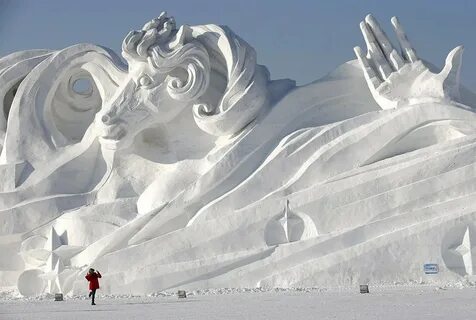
(430, 268)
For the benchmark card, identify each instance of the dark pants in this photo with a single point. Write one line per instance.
(92, 294)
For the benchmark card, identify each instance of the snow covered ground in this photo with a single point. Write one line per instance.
(419, 302)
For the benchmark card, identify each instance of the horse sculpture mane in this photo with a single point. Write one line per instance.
(206, 54)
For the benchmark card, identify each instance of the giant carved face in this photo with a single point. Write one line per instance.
(167, 72)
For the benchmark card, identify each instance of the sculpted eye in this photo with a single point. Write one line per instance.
(145, 81)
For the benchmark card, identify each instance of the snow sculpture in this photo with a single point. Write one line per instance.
(290, 226)
(172, 171)
(171, 69)
(30, 283)
(397, 79)
(459, 253)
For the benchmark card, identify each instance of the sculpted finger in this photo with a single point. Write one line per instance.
(392, 56)
(371, 76)
(407, 50)
(374, 52)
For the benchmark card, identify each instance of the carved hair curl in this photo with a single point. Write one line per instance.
(190, 48)
(155, 44)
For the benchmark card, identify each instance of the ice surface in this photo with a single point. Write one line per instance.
(188, 168)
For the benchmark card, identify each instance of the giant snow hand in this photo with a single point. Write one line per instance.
(397, 79)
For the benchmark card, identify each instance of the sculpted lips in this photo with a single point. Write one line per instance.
(113, 132)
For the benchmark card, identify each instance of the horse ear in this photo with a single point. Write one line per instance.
(181, 36)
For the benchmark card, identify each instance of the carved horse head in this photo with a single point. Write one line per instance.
(207, 68)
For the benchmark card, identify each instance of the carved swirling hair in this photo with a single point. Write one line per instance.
(192, 48)
(154, 43)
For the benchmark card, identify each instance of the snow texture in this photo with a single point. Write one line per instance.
(188, 168)
(417, 303)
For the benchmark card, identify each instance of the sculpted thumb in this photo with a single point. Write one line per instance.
(450, 74)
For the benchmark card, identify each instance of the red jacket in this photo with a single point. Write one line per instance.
(93, 280)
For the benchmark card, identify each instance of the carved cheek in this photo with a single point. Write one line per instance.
(152, 100)
(136, 117)
(123, 101)
(133, 101)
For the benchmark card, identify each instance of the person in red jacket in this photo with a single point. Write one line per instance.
(93, 277)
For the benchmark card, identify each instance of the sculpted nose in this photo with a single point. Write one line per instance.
(113, 110)
(106, 119)
(109, 117)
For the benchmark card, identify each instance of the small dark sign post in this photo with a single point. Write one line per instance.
(431, 268)
(181, 294)
(364, 288)
(58, 297)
